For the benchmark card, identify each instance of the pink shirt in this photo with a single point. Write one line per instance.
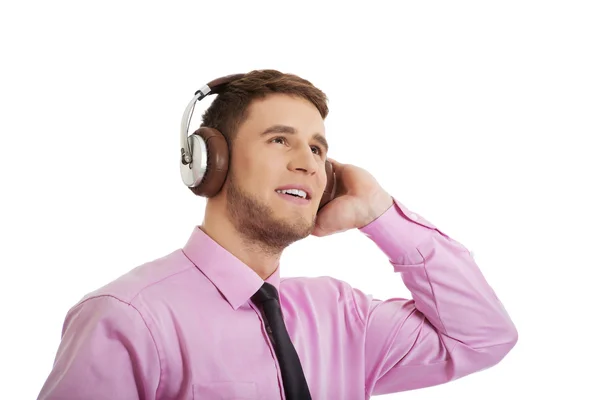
(184, 327)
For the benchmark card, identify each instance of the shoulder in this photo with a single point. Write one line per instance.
(327, 292)
(150, 276)
(315, 285)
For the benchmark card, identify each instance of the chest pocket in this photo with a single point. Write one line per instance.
(226, 391)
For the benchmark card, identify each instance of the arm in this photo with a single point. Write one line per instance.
(454, 325)
(106, 352)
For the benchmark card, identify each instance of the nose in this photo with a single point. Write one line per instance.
(304, 160)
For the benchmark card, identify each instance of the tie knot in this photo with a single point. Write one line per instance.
(266, 292)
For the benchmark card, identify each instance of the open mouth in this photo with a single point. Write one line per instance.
(298, 193)
(294, 192)
(296, 198)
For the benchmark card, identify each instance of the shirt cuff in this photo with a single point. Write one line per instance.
(398, 232)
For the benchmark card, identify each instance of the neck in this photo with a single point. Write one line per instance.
(253, 253)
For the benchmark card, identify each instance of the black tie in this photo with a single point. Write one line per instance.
(294, 382)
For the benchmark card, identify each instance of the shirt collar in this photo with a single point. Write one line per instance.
(234, 279)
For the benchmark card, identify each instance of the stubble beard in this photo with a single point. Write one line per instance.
(258, 224)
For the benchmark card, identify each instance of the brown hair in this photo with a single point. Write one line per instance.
(230, 108)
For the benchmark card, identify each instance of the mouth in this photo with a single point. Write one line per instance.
(296, 194)
(294, 199)
(298, 191)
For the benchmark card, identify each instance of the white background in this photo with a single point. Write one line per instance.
(483, 117)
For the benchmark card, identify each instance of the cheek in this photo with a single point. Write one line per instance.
(262, 175)
(246, 167)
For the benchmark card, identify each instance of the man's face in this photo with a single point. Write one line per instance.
(263, 162)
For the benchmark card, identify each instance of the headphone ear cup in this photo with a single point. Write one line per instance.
(217, 162)
(330, 187)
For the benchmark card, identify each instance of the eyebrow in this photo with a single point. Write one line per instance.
(289, 130)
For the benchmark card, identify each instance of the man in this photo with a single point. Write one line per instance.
(185, 326)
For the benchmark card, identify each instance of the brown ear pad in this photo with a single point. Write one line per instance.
(218, 164)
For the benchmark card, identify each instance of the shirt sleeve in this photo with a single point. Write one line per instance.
(106, 352)
(453, 326)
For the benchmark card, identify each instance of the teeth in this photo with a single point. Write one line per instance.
(296, 192)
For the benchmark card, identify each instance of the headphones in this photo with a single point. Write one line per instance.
(205, 154)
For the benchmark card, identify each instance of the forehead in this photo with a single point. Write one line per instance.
(283, 109)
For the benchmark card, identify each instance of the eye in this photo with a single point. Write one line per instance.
(319, 150)
(283, 140)
(278, 138)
